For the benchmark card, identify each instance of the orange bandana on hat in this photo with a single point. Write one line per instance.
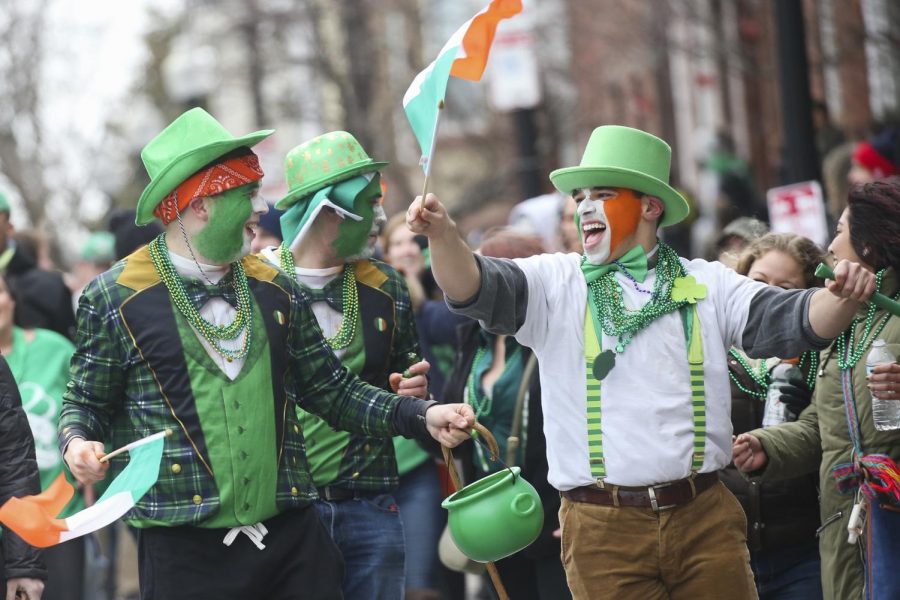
(220, 177)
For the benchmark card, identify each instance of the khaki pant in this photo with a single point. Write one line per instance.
(695, 551)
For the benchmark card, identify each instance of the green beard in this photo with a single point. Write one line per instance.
(222, 240)
(353, 236)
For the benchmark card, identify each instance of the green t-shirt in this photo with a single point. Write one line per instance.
(40, 363)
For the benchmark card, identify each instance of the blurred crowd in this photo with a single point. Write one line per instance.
(498, 377)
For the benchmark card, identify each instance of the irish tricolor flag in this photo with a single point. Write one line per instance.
(465, 56)
(34, 517)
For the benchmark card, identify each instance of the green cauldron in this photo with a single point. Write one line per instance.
(494, 517)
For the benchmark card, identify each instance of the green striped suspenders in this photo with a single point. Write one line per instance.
(592, 349)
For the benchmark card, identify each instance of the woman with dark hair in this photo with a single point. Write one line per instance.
(836, 434)
(782, 517)
(488, 374)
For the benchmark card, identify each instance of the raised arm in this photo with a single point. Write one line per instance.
(831, 309)
(452, 261)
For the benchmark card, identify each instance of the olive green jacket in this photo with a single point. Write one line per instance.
(820, 439)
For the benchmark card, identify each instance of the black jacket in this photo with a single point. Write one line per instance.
(18, 477)
(535, 468)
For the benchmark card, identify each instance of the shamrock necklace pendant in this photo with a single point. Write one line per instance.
(603, 364)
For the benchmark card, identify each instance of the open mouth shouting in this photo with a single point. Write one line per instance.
(250, 229)
(592, 233)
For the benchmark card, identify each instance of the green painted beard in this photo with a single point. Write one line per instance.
(353, 236)
(222, 240)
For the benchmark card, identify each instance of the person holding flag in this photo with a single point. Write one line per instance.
(332, 213)
(631, 342)
(192, 335)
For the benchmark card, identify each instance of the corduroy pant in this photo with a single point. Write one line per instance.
(696, 550)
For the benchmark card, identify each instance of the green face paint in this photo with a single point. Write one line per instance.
(223, 240)
(353, 236)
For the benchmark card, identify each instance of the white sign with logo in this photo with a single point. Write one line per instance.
(799, 208)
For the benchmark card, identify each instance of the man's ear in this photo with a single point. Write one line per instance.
(199, 208)
(652, 208)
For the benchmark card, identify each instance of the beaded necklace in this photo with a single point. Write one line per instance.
(617, 320)
(848, 359)
(482, 404)
(760, 376)
(813, 357)
(213, 334)
(349, 299)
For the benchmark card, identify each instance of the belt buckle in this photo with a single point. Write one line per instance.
(327, 493)
(654, 504)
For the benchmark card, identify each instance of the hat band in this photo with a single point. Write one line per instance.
(216, 179)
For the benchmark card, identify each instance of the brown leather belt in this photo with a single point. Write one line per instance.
(658, 497)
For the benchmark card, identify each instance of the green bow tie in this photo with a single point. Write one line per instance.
(634, 262)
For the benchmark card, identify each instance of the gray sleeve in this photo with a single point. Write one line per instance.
(501, 299)
(778, 324)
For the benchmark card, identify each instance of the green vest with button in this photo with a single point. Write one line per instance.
(239, 430)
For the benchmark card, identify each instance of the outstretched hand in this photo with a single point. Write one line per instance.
(428, 218)
(450, 423)
(851, 281)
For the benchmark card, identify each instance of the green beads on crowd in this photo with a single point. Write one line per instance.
(213, 334)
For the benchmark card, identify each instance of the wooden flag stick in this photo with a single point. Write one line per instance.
(136, 443)
(430, 160)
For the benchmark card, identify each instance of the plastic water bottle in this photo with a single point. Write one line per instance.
(886, 413)
(776, 412)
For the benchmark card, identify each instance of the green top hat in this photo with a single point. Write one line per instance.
(188, 144)
(324, 160)
(629, 158)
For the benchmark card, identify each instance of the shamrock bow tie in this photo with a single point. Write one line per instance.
(634, 262)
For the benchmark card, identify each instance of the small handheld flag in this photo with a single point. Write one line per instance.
(34, 517)
(464, 56)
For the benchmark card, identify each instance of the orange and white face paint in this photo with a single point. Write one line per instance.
(606, 217)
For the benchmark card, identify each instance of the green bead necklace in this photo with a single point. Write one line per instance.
(349, 299)
(482, 404)
(760, 375)
(617, 320)
(813, 357)
(213, 334)
(848, 355)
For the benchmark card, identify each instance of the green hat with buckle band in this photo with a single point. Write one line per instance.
(329, 170)
(623, 157)
(188, 144)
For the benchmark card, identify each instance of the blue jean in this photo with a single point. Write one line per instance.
(792, 573)
(419, 497)
(369, 534)
(883, 554)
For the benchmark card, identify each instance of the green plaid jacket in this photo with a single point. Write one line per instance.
(389, 337)
(128, 380)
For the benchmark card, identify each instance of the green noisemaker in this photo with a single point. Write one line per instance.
(878, 299)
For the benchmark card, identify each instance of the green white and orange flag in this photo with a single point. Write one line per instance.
(34, 517)
(464, 56)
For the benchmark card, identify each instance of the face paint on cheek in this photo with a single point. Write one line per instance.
(222, 239)
(597, 252)
(623, 213)
(353, 236)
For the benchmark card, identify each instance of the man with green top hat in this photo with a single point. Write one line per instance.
(332, 213)
(631, 341)
(192, 335)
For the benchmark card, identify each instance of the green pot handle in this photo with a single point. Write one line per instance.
(517, 507)
(878, 299)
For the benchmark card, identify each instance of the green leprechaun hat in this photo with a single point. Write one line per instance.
(324, 160)
(188, 144)
(629, 158)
